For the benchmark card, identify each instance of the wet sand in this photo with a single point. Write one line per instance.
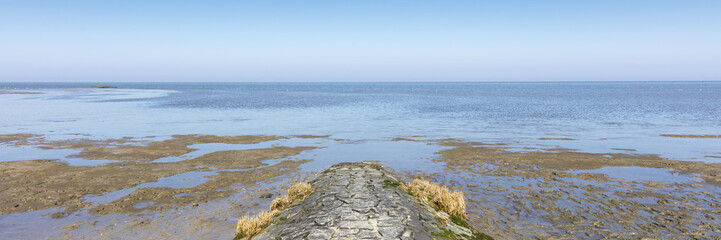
(17, 139)
(690, 136)
(551, 194)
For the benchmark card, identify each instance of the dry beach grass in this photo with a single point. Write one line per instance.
(297, 192)
(435, 195)
(249, 227)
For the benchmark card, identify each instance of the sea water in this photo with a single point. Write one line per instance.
(601, 117)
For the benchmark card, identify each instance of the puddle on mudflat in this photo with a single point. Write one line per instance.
(35, 224)
(398, 155)
(205, 148)
(21, 153)
(642, 174)
(183, 180)
(644, 200)
(183, 195)
(77, 162)
(143, 205)
(24, 153)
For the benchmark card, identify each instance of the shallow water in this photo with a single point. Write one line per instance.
(642, 174)
(600, 116)
(13, 153)
(183, 180)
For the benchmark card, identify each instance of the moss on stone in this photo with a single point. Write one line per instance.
(390, 183)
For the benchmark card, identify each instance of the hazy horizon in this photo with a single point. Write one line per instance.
(354, 41)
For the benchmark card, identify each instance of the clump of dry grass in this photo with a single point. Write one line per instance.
(438, 196)
(249, 227)
(297, 192)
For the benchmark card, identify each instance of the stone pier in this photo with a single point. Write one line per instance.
(363, 201)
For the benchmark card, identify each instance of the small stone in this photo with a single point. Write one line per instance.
(353, 216)
(320, 233)
(347, 232)
(407, 233)
(390, 223)
(367, 234)
(355, 225)
(421, 236)
(390, 232)
(322, 220)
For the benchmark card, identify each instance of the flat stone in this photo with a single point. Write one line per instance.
(390, 223)
(356, 225)
(346, 232)
(390, 232)
(293, 233)
(322, 220)
(320, 233)
(353, 216)
(368, 234)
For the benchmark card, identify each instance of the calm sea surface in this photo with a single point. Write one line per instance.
(600, 115)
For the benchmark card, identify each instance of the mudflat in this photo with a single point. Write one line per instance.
(564, 195)
(41, 184)
(511, 194)
(691, 136)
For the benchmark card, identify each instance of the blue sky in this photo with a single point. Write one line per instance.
(357, 40)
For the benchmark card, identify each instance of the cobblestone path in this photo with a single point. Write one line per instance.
(360, 201)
